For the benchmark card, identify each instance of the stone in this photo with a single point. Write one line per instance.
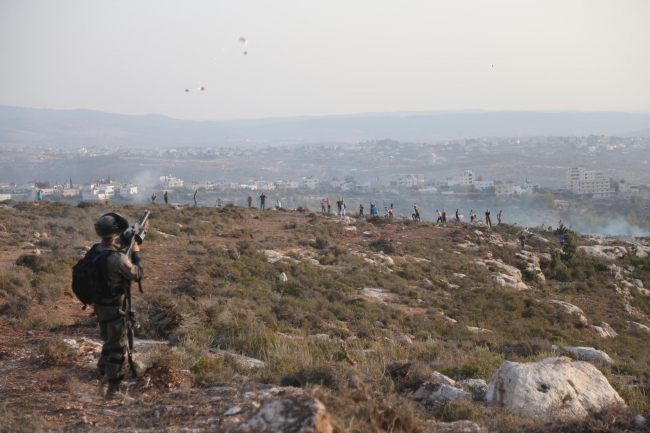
(455, 427)
(604, 251)
(503, 280)
(637, 283)
(441, 379)
(431, 392)
(457, 275)
(283, 277)
(379, 324)
(640, 326)
(590, 354)
(604, 330)
(318, 337)
(233, 411)
(639, 420)
(539, 239)
(404, 339)
(576, 312)
(552, 389)
(36, 252)
(295, 414)
(506, 269)
(479, 330)
(476, 387)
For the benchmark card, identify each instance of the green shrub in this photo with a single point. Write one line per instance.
(53, 352)
(455, 411)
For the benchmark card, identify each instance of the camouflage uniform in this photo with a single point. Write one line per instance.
(120, 271)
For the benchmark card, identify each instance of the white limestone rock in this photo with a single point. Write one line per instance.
(604, 330)
(506, 269)
(553, 389)
(295, 414)
(404, 339)
(431, 392)
(590, 354)
(604, 251)
(576, 312)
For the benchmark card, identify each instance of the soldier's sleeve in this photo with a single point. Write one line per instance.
(131, 270)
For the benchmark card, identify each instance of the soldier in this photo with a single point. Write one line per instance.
(117, 270)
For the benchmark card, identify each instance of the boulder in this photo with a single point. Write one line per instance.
(455, 427)
(283, 278)
(576, 312)
(476, 387)
(404, 339)
(504, 280)
(640, 326)
(441, 379)
(295, 414)
(318, 337)
(590, 354)
(431, 392)
(604, 252)
(553, 389)
(506, 269)
(479, 330)
(604, 330)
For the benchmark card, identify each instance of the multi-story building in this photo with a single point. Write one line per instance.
(467, 178)
(584, 182)
(483, 184)
(409, 180)
(309, 182)
(169, 182)
(128, 190)
(627, 188)
(502, 189)
(4, 197)
(286, 184)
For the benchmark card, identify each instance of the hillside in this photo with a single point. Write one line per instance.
(369, 310)
(83, 128)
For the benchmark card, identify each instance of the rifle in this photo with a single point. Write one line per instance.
(136, 234)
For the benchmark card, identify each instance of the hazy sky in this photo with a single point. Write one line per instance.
(313, 57)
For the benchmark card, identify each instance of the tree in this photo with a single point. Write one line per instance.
(350, 179)
(613, 183)
(41, 185)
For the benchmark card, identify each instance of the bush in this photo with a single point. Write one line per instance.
(455, 411)
(53, 352)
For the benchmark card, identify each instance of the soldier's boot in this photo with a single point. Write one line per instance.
(113, 392)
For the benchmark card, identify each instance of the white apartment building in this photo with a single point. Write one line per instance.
(208, 185)
(4, 197)
(627, 188)
(581, 181)
(169, 182)
(128, 189)
(88, 194)
(265, 184)
(409, 180)
(502, 189)
(467, 178)
(309, 182)
(483, 184)
(107, 190)
(286, 184)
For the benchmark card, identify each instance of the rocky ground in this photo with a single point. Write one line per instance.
(293, 321)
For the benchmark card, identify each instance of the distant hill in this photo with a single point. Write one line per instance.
(74, 128)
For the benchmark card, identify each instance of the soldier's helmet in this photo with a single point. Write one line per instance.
(111, 225)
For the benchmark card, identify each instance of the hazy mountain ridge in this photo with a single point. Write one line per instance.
(42, 127)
